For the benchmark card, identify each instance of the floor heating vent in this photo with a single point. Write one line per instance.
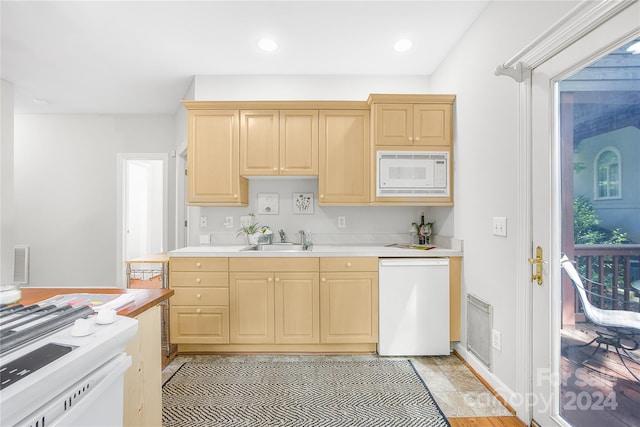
(21, 265)
(479, 325)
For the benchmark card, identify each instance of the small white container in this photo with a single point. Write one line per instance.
(10, 294)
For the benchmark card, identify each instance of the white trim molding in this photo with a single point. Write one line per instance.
(578, 22)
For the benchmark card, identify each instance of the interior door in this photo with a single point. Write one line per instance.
(547, 190)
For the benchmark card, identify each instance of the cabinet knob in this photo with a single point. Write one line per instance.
(198, 264)
(198, 310)
(275, 169)
(348, 264)
(277, 279)
(417, 138)
(282, 168)
(410, 139)
(269, 279)
(235, 196)
(323, 279)
(198, 296)
(198, 280)
(322, 196)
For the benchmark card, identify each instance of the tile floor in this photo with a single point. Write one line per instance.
(456, 389)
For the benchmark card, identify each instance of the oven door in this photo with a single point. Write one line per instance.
(95, 400)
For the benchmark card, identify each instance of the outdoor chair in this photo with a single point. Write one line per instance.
(622, 327)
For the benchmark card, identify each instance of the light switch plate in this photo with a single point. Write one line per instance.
(499, 226)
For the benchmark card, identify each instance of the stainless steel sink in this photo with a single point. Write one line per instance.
(277, 247)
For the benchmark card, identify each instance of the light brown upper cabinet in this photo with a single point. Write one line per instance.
(412, 120)
(344, 175)
(279, 142)
(213, 159)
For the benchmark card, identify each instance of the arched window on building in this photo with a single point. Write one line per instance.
(608, 173)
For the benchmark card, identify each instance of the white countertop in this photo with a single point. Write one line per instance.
(379, 251)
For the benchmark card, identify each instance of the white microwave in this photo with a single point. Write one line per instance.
(412, 174)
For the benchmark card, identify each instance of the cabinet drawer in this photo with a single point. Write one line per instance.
(195, 325)
(348, 264)
(197, 279)
(200, 296)
(198, 264)
(273, 264)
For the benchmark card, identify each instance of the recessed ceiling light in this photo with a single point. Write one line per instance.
(268, 45)
(39, 101)
(634, 49)
(402, 45)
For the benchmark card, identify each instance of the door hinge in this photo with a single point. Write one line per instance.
(185, 223)
(185, 172)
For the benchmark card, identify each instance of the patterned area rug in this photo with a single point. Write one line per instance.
(284, 393)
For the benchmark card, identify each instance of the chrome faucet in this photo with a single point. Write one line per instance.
(305, 239)
(282, 236)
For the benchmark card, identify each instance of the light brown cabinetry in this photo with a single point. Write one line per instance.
(421, 123)
(213, 176)
(412, 120)
(200, 305)
(279, 142)
(349, 300)
(344, 175)
(143, 381)
(274, 301)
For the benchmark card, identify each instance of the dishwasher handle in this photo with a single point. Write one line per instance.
(413, 262)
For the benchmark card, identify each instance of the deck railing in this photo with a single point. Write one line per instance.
(617, 268)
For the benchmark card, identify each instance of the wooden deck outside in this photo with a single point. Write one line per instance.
(597, 391)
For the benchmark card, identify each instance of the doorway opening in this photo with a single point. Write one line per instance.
(143, 208)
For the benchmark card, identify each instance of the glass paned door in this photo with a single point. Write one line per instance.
(585, 133)
(600, 158)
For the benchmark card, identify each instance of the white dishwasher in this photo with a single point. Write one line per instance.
(413, 307)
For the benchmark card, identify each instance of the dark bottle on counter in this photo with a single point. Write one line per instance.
(422, 239)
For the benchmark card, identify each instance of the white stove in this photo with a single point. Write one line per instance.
(61, 365)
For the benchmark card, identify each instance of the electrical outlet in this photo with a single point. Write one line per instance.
(203, 222)
(499, 226)
(228, 222)
(496, 340)
(342, 222)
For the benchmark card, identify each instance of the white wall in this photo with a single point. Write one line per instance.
(299, 87)
(486, 158)
(6, 183)
(65, 191)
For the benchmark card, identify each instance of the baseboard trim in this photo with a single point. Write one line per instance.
(486, 383)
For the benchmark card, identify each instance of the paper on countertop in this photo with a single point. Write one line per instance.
(95, 301)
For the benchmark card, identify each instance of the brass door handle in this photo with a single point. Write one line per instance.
(537, 261)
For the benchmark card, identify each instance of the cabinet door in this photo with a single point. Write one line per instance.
(251, 308)
(259, 139)
(297, 302)
(199, 325)
(298, 142)
(393, 124)
(432, 124)
(349, 307)
(213, 159)
(344, 162)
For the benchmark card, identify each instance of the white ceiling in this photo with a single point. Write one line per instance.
(115, 57)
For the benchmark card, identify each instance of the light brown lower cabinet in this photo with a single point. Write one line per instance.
(199, 312)
(274, 307)
(143, 379)
(349, 300)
